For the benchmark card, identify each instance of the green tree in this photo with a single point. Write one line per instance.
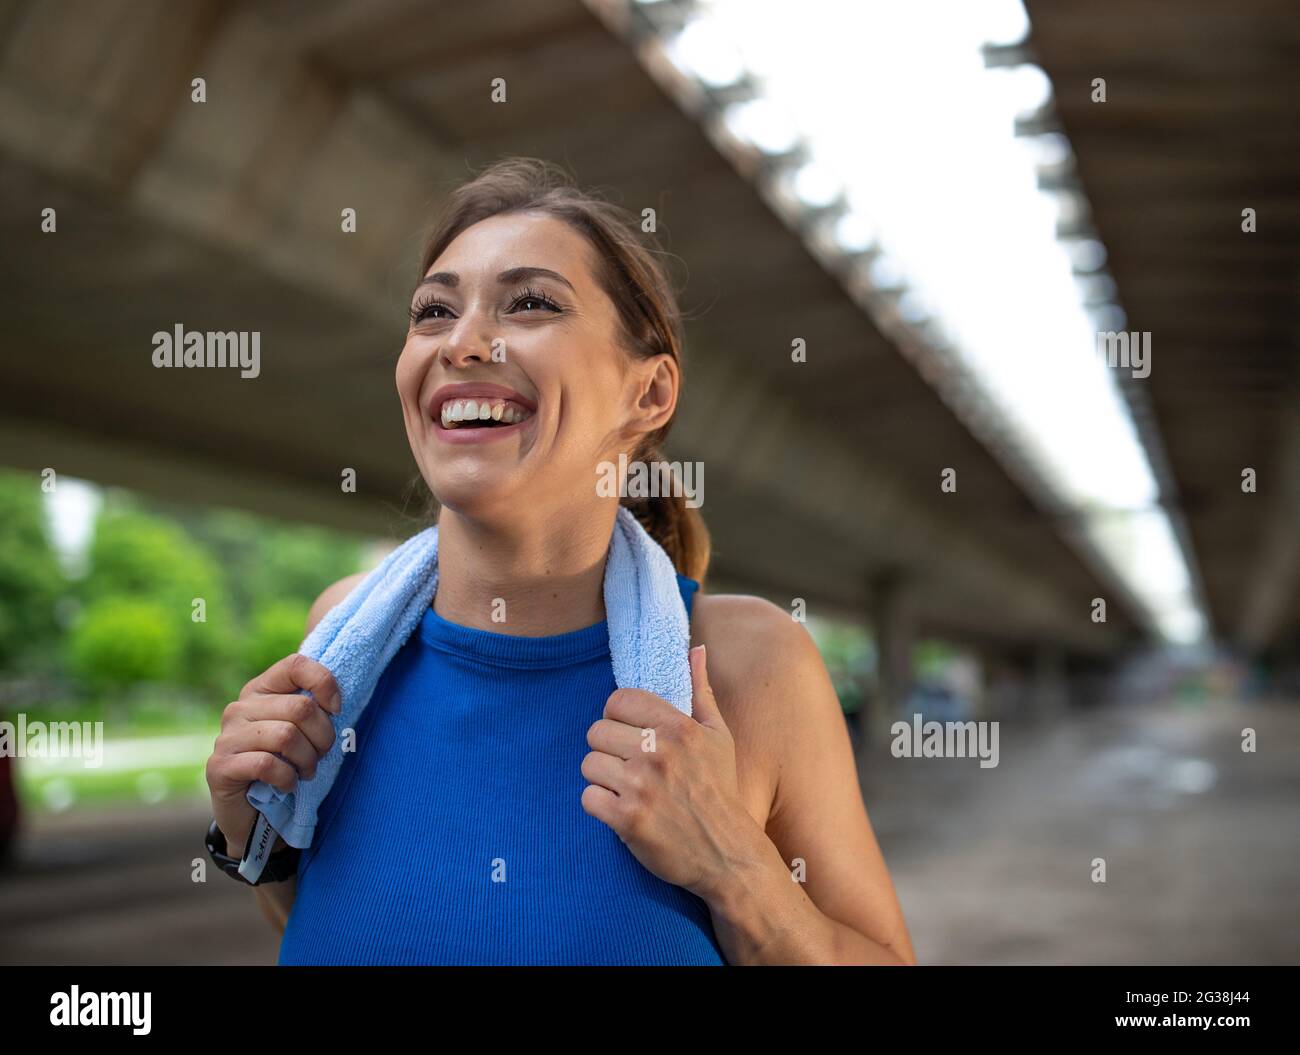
(120, 642)
(31, 580)
(273, 573)
(276, 631)
(268, 561)
(145, 557)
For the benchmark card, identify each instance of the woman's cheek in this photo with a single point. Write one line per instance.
(405, 367)
(408, 376)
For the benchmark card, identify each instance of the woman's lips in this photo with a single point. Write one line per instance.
(476, 390)
(476, 412)
(479, 435)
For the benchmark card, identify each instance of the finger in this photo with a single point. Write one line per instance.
(238, 771)
(601, 803)
(278, 738)
(605, 770)
(704, 706)
(616, 738)
(297, 672)
(640, 708)
(302, 711)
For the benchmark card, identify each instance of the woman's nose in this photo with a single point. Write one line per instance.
(468, 341)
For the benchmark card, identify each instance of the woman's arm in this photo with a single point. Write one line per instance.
(813, 887)
(276, 899)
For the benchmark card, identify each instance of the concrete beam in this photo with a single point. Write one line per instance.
(802, 465)
(177, 474)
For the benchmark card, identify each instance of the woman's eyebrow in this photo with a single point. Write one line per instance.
(510, 276)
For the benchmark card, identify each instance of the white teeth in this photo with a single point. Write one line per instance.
(455, 411)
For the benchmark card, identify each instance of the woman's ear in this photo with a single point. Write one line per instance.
(657, 382)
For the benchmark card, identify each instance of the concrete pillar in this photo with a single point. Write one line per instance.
(893, 623)
(1049, 692)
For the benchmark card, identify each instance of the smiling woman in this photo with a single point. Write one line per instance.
(551, 321)
(508, 802)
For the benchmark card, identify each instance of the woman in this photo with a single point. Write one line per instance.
(500, 807)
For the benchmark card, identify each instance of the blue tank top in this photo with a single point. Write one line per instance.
(456, 835)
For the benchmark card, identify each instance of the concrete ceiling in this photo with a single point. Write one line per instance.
(1202, 120)
(822, 478)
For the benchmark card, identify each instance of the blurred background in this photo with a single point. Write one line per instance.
(908, 235)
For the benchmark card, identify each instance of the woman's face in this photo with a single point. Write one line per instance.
(512, 384)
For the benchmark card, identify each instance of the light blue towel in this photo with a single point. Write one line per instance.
(649, 636)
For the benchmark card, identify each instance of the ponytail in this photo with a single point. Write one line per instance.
(677, 527)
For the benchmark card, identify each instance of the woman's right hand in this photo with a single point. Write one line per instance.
(271, 718)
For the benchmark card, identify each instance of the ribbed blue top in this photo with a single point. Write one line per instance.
(455, 834)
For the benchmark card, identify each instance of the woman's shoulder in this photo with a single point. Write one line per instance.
(763, 666)
(747, 624)
(752, 643)
(330, 596)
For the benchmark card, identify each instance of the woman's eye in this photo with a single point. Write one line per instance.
(422, 312)
(436, 310)
(533, 302)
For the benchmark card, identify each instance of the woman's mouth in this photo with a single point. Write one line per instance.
(483, 413)
(468, 419)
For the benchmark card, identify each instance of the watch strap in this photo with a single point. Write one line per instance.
(279, 865)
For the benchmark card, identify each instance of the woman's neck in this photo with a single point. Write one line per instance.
(529, 579)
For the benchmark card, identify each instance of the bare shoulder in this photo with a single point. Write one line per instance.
(777, 698)
(767, 673)
(330, 596)
(751, 639)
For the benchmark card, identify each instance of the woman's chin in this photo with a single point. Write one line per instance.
(483, 496)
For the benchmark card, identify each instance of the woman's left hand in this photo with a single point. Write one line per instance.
(666, 783)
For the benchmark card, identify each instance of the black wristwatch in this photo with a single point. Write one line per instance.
(281, 865)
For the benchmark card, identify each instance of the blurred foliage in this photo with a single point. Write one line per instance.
(931, 659)
(139, 555)
(31, 580)
(119, 642)
(267, 562)
(277, 631)
(177, 604)
(849, 653)
(850, 659)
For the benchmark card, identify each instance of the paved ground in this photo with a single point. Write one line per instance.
(993, 866)
(115, 887)
(1200, 840)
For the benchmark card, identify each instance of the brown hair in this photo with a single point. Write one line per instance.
(631, 272)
